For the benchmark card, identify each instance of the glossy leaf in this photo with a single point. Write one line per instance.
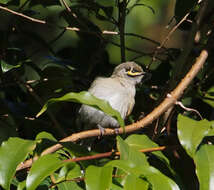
(22, 185)
(13, 152)
(191, 132)
(88, 99)
(45, 135)
(205, 166)
(116, 187)
(133, 182)
(68, 185)
(140, 142)
(98, 178)
(69, 172)
(41, 169)
(140, 167)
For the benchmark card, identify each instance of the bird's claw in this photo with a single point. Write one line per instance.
(116, 131)
(102, 130)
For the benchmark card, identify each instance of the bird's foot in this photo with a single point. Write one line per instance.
(102, 130)
(116, 131)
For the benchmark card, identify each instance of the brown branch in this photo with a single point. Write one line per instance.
(164, 106)
(108, 154)
(29, 162)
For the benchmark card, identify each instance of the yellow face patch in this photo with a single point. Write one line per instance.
(131, 73)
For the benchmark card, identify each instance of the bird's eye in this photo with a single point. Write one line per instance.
(134, 71)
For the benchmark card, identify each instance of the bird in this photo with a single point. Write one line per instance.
(119, 90)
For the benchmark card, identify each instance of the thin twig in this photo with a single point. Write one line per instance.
(166, 39)
(24, 16)
(66, 6)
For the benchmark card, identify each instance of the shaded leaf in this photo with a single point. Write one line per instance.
(205, 166)
(13, 152)
(7, 67)
(209, 97)
(42, 168)
(4, 1)
(98, 178)
(191, 132)
(88, 99)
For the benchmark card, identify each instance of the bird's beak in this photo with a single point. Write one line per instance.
(133, 74)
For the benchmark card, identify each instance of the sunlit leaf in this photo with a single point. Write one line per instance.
(69, 172)
(137, 165)
(132, 182)
(41, 169)
(13, 152)
(140, 142)
(88, 99)
(205, 166)
(98, 178)
(191, 132)
(68, 185)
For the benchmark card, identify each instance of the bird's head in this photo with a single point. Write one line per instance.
(130, 71)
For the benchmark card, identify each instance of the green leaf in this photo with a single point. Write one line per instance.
(42, 168)
(129, 153)
(191, 132)
(22, 185)
(209, 97)
(7, 67)
(98, 178)
(45, 135)
(13, 152)
(115, 187)
(88, 99)
(68, 185)
(140, 142)
(69, 172)
(205, 166)
(136, 164)
(132, 182)
(4, 1)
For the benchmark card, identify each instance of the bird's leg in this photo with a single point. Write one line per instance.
(102, 130)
